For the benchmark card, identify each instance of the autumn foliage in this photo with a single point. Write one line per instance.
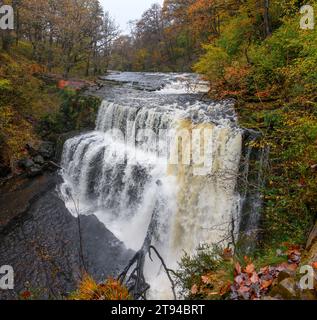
(232, 278)
(110, 290)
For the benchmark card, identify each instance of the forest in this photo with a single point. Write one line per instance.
(262, 54)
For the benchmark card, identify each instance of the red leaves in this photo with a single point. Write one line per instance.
(26, 295)
(249, 283)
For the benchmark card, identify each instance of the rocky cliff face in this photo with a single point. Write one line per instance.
(40, 239)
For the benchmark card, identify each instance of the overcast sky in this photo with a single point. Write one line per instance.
(125, 10)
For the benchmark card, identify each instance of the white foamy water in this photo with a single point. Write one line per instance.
(122, 184)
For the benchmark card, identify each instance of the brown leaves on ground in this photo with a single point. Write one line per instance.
(249, 283)
(213, 284)
(252, 285)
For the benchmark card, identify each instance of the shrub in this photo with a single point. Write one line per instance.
(110, 290)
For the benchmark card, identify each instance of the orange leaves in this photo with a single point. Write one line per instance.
(237, 269)
(36, 68)
(206, 279)
(194, 289)
(225, 289)
(212, 285)
(266, 284)
(227, 254)
(250, 269)
(26, 295)
(110, 290)
(254, 278)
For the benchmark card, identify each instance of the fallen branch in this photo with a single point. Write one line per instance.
(135, 281)
(168, 271)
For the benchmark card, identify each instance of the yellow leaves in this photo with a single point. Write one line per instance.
(6, 115)
(15, 131)
(5, 85)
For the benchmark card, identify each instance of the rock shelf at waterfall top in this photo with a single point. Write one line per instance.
(184, 94)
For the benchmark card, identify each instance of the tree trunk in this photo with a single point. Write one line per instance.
(267, 27)
(6, 39)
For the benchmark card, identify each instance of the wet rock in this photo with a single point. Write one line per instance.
(5, 170)
(43, 244)
(285, 274)
(285, 289)
(18, 194)
(31, 150)
(47, 150)
(39, 160)
(34, 171)
(26, 163)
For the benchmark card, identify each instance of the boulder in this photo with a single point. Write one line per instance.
(31, 150)
(285, 274)
(47, 150)
(34, 171)
(26, 163)
(287, 289)
(39, 160)
(4, 170)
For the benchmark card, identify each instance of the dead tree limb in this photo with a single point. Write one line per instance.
(168, 271)
(135, 280)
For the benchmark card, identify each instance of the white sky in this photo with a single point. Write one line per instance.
(125, 10)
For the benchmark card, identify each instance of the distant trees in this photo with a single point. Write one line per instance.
(66, 34)
(170, 38)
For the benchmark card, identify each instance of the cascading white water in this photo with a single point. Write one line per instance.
(122, 182)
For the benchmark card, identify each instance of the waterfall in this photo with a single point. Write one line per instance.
(123, 171)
